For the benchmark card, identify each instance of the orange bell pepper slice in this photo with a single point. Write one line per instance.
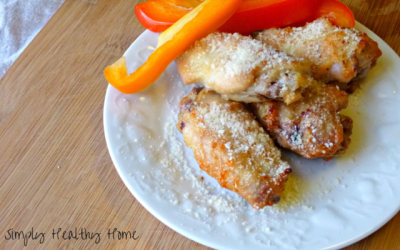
(157, 15)
(198, 23)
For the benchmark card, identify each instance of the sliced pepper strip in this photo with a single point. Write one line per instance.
(339, 14)
(264, 14)
(157, 15)
(201, 21)
(148, 12)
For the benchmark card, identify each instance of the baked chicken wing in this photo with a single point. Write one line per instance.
(338, 55)
(243, 69)
(311, 127)
(231, 146)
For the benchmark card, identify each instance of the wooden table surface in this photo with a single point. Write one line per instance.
(55, 170)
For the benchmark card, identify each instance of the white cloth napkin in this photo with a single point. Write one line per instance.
(20, 22)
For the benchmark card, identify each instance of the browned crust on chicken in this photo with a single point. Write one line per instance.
(311, 127)
(338, 55)
(243, 69)
(347, 123)
(231, 146)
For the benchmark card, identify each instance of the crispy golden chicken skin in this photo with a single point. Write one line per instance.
(231, 146)
(243, 69)
(338, 55)
(311, 127)
(347, 123)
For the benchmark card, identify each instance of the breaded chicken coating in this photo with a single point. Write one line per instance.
(338, 55)
(311, 127)
(232, 147)
(243, 69)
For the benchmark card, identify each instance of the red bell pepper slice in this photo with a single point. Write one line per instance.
(149, 12)
(157, 15)
(338, 13)
(258, 15)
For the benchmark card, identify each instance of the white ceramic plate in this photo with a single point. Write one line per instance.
(327, 205)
